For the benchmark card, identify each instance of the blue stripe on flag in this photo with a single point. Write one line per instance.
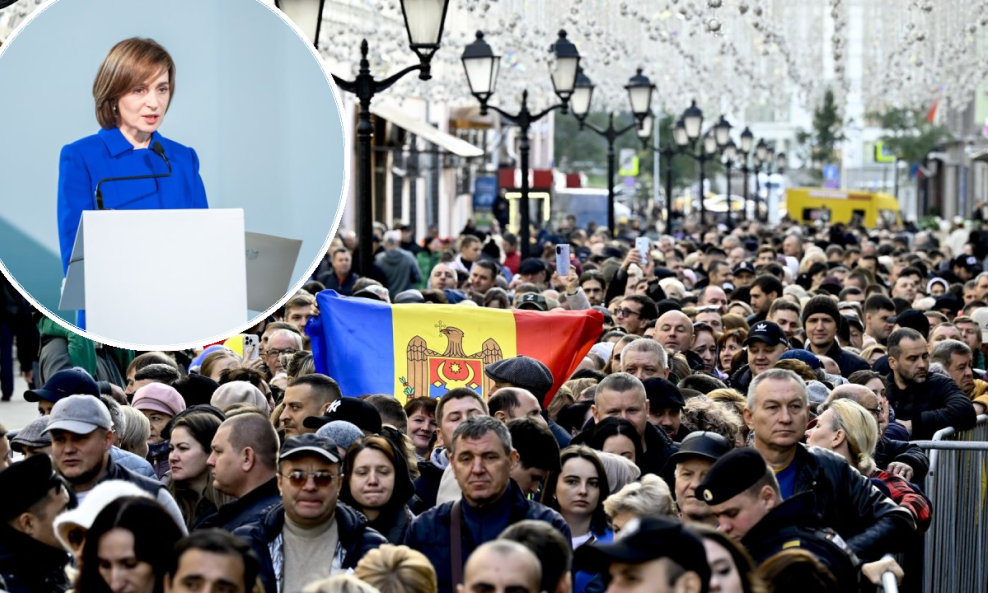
(352, 342)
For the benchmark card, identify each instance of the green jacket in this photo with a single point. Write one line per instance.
(82, 351)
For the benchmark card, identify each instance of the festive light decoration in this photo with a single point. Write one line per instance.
(730, 55)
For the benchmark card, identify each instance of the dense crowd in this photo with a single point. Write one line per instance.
(745, 423)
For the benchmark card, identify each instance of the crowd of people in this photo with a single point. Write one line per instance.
(745, 423)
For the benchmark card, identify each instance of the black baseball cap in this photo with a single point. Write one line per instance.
(324, 447)
(643, 540)
(355, 411)
(745, 267)
(703, 444)
(731, 475)
(768, 332)
(533, 300)
(62, 384)
(966, 261)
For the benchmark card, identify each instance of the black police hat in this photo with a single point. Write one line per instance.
(355, 411)
(731, 475)
(767, 332)
(703, 444)
(25, 483)
(646, 539)
(662, 394)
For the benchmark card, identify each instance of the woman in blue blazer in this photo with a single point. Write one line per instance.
(133, 89)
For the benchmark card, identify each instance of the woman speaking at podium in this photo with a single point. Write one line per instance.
(133, 90)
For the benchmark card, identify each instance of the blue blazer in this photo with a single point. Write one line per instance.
(108, 154)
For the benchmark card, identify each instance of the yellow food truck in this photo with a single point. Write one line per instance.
(869, 209)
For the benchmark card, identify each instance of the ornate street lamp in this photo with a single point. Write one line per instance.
(639, 89)
(480, 66)
(424, 25)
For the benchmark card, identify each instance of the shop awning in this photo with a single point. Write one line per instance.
(426, 131)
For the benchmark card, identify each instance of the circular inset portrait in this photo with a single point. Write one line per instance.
(171, 171)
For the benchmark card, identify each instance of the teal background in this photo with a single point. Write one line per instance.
(250, 98)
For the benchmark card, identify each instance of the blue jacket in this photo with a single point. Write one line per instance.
(108, 154)
(430, 534)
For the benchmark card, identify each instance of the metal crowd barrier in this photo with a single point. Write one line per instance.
(956, 545)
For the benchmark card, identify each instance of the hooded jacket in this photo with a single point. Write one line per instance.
(356, 538)
(400, 270)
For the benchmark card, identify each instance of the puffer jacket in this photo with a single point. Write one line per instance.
(264, 536)
(870, 523)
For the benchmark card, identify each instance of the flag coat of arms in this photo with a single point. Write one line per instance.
(422, 350)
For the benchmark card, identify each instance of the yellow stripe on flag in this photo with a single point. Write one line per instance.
(441, 347)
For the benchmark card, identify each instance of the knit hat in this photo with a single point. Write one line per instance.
(804, 356)
(342, 432)
(821, 304)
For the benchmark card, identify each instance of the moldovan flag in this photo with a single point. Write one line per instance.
(424, 350)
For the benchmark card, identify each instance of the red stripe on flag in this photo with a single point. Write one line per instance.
(559, 339)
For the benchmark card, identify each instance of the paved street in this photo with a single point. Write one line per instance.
(17, 412)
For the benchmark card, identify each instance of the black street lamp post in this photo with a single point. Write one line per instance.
(687, 133)
(481, 67)
(730, 151)
(424, 21)
(640, 96)
(745, 152)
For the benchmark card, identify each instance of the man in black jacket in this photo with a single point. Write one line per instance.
(744, 496)
(244, 463)
(621, 395)
(777, 412)
(924, 403)
(482, 455)
(311, 535)
(821, 320)
(31, 558)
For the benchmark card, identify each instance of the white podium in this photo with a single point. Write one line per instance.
(159, 277)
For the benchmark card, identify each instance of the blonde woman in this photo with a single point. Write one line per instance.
(397, 569)
(847, 428)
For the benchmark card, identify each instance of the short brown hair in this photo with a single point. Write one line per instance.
(128, 65)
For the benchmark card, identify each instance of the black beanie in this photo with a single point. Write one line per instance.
(821, 304)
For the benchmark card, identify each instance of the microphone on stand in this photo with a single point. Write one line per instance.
(157, 149)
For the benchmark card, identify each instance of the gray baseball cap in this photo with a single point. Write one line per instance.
(79, 414)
